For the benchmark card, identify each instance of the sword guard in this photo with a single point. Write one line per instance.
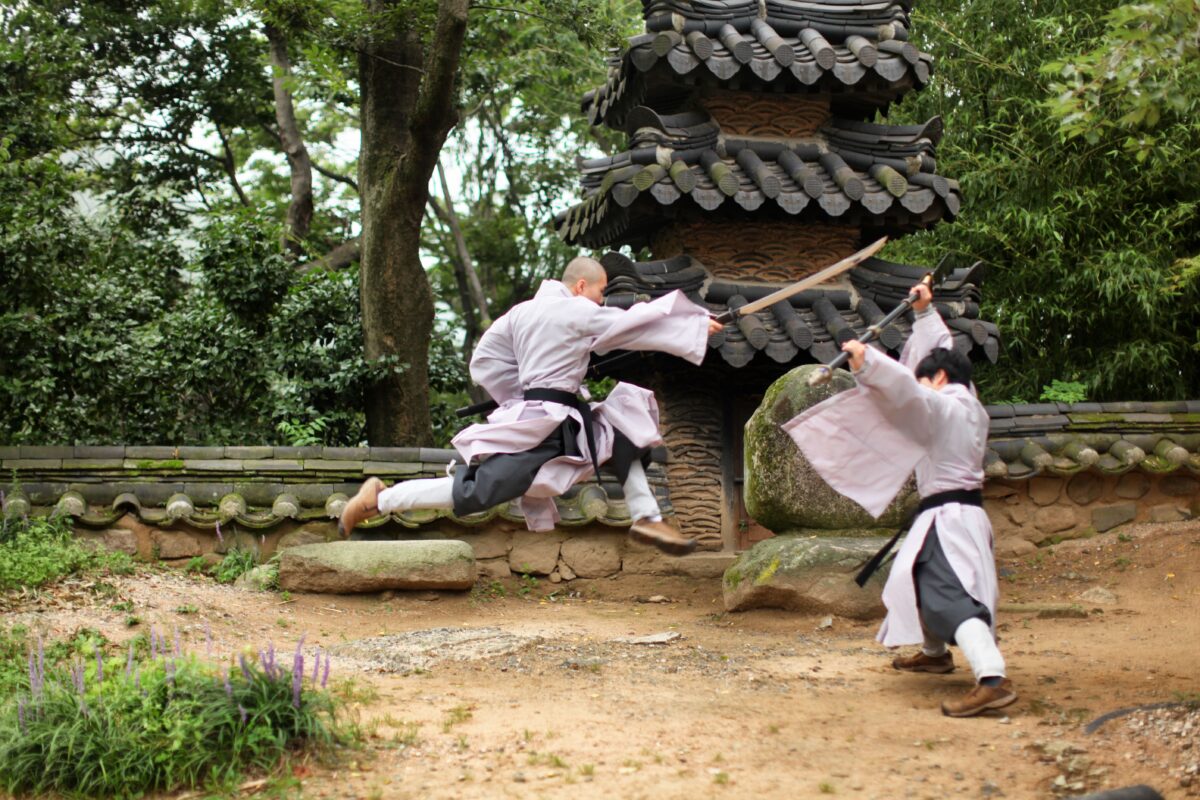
(725, 317)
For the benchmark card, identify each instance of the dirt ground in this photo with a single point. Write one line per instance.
(535, 694)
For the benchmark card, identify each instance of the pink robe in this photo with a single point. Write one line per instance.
(866, 442)
(546, 342)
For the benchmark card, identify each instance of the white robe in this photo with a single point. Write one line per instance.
(865, 442)
(546, 343)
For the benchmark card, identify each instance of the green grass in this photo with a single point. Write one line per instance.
(235, 564)
(87, 724)
(39, 550)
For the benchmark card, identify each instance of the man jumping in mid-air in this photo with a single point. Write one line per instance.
(543, 438)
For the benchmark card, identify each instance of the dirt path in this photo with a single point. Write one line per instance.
(765, 704)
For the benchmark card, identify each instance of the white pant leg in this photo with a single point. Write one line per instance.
(419, 493)
(638, 495)
(933, 646)
(974, 637)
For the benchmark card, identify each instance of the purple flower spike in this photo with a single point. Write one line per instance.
(99, 666)
(41, 660)
(34, 688)
(129, 661)
(208, 640)
(220, 538)
(297, 681)
(228, 686)
(178, 646)
(242, 711)
(153, 644)
(77, 676)
(316, 665)
(271, 655)
(325, 674)
(21, 713)
(245, 667)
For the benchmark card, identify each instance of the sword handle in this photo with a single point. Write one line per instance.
(726, 317)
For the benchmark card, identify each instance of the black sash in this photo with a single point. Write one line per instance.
(967, 497)
(565, 398)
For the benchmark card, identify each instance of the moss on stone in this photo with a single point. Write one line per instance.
(767, 573)
(163, 464)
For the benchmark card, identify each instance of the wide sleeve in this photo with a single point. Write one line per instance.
(906, 404)
(494, 362)
(670, 324)
(929, 332)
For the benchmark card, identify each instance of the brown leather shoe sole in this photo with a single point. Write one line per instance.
(674, 548)
(1005, 696)
(362, 506)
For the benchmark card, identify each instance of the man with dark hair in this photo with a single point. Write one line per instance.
(921, 414)
(544, 437)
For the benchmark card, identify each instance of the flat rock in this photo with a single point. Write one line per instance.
(1106, 518)
(812, 575)
(419, 650)
(362, 566)
(650, 638)
(1098, 595)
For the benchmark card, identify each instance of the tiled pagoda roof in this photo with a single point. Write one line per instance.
(879, 177)
(812, 326)
(857, 51)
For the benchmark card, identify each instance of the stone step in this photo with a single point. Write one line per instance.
(349, 567)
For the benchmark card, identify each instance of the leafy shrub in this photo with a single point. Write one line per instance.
(1064, 392)
(124, 726)
(235, 564)
(38, 550)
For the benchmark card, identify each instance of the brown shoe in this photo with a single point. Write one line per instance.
(362, 506)
(981, 698)
(662, 536)
(919, 662)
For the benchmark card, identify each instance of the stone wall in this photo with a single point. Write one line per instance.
(502, 549)
(1047, 509)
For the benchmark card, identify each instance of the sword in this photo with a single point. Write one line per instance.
(937, 275)
(729, 315)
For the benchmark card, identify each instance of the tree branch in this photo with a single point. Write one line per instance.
(434, 113)
(464, 254)
(339, 257)
(231, 166)
(336, 176)
(300, 209)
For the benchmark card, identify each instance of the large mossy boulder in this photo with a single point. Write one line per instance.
(359, 566)
(810, 574)
(783, 492)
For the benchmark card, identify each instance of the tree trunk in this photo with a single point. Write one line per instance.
(300, 209)
(407, 111)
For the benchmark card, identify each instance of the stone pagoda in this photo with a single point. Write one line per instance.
(752, 161)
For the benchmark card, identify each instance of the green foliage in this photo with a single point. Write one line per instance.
(236, 563)
(38, 550)
(114, 726)
(1089, 249)
(1064, 392)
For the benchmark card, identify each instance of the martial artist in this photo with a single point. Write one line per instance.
(921, 414)
(543, 438)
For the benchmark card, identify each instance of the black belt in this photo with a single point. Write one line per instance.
(565, 398)
(966, 497)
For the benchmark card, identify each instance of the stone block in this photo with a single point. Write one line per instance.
(201, 453)
(1132, 485)
(1014, 547)
(271, 465)
(309, 534)
(249, 452)
(344, 567)
(332, 465)
(120, 540)
(593, 555)
(93, 463)
(998, 489)
(1108, 517)
(99, 451)
(395, 454)
(1053, 519)
(494, 569)
(1167, 513)
(812, 576)
(1085, 488)
(174, 544)
(534, 553)
(307, 451)
(46, 452)
(489, 544)
(1179, 485)
(1044, 491)
(154, 452)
